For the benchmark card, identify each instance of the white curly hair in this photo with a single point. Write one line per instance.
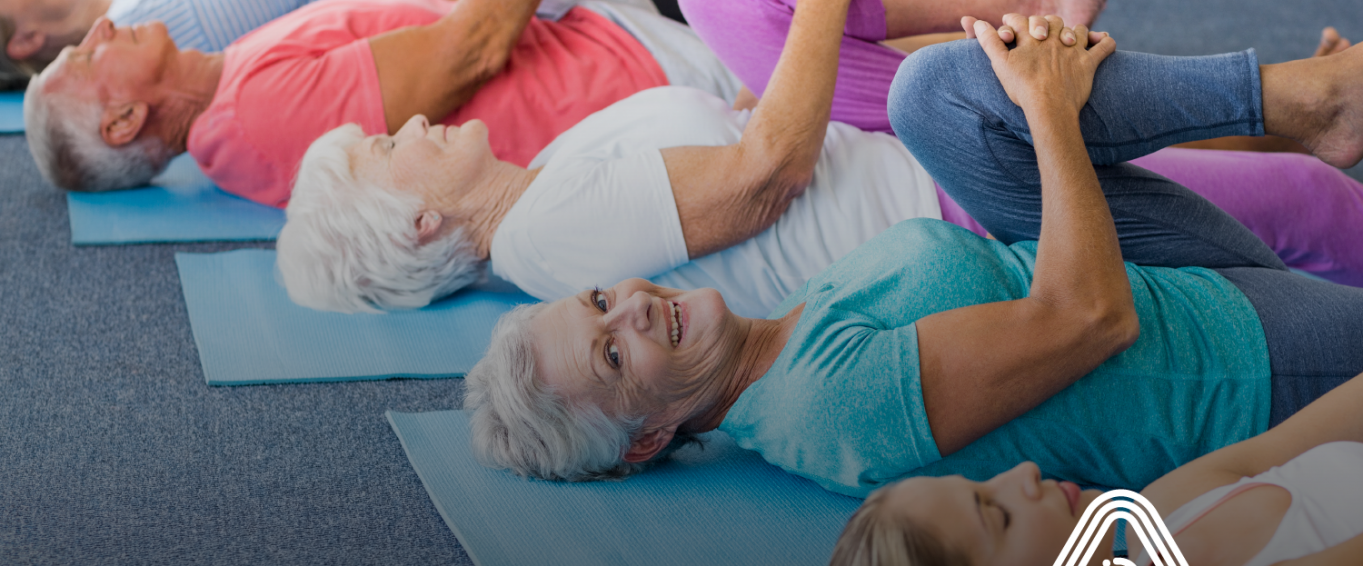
(349, 245)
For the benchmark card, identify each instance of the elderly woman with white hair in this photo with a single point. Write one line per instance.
(932, 351)
(673, 185)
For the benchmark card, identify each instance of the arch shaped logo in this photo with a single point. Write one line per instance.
(1103, 513)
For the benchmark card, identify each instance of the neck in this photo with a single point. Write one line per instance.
(763, 341)
(480, 211)
(191, 85)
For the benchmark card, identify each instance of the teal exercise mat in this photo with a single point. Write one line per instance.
(249, 332)
(716, 506)
(182, 205)
(12, 112)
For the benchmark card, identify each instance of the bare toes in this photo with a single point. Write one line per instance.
(1331, 42)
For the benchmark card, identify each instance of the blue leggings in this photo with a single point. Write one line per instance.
(950, 111)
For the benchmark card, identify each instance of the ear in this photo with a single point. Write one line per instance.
(648, 444)
(122, 122)
(24, 44)
(428, 226)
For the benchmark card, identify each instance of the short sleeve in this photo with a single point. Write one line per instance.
(844, 408)
(587, 222)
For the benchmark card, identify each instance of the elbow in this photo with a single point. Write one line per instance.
(1112, 327)
(489, 65)
(779, 173)
(787, 155)
(792, 182)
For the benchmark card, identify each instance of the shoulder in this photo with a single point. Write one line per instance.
(583, 223)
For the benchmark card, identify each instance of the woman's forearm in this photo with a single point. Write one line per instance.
(787, 128)
(1079, 260)
(727, 194)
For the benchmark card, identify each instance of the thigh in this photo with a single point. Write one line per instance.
(747, 35)
(1306, 211)
(1159, 222)
(1314, 331)
(950, 111)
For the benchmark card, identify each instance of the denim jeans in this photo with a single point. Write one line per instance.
(950, 111)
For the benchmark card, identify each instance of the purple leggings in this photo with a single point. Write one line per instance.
(1309, 213)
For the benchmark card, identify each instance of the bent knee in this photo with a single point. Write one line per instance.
(934, 83)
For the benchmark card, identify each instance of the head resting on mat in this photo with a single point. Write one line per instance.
(394, 222)
(606, 382)
(111, 112)
(1014, 518)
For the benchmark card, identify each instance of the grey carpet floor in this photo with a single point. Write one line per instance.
(114, 451)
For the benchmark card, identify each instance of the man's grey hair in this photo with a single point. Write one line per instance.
(523, 426)
(349, 245)
(63, 135)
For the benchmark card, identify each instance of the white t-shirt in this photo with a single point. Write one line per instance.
(602, 209)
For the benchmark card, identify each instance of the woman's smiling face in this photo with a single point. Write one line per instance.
(636, 349)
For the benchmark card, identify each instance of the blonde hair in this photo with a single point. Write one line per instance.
(878, 536)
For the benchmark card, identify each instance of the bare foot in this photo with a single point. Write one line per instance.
(1074, 12)
(1331, 43)
(1319, 102)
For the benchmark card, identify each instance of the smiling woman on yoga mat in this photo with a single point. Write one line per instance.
(917, 353)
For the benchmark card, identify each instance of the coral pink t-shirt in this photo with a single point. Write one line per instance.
(310, 71)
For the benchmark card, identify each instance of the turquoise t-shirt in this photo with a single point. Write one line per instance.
(843, 404)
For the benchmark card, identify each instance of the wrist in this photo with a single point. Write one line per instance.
(1049, 110)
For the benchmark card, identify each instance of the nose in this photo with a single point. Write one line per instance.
(416, 125)
(635, 312)
(1024, 478)
(102, 30)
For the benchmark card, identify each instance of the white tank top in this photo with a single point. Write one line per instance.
(1326, 485)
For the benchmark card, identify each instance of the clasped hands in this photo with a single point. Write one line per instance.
(1051, 67)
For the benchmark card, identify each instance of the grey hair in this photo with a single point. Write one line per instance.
(63, 135)
(521, 425)
(349, 245)
(877, 535)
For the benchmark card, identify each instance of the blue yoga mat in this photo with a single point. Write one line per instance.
(182, 205)
(714, 506)
(249, 332)
(12, 112)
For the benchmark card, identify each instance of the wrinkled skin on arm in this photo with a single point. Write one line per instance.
(984, 365)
